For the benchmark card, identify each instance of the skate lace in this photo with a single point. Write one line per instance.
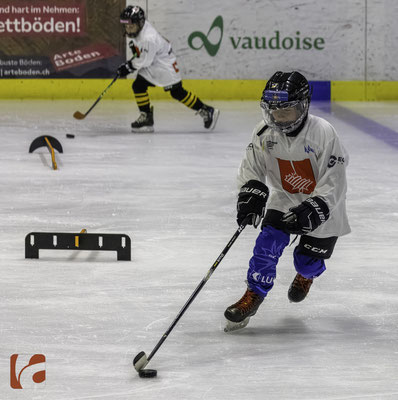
(142, 117)
(248, 301)
(302, 283)
(204, 114)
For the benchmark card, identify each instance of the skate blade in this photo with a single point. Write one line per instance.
(215, 118)
(144, 129)
(235, 326)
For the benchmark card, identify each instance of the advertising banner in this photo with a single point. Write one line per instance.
(60, 38)
(250, 39)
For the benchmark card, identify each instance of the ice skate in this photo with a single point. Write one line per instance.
(238, 314)
(299, 288)
(235, 326)
(209, 115)
(144, 122)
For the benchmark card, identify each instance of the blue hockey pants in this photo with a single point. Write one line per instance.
(269, 247)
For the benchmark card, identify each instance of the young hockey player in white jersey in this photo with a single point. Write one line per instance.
(303, 161)
(156, 64)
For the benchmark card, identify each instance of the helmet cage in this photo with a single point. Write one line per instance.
(285, 101)
(284, 116)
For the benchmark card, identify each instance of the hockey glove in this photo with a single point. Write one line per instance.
(125, 69)
(251, 202)
(307, 216)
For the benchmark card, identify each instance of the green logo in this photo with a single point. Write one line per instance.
(211, 48)
(277, 41)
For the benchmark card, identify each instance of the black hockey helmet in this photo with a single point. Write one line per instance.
(133, 18)
(285, 101)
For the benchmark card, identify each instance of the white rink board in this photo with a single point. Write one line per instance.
(354, 42)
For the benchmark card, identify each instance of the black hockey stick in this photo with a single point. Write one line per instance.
(141, 360)
(79, 115)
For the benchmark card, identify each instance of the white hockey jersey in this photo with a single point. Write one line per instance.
(154, 59)
(311, 164)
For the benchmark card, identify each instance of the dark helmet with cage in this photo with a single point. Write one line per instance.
(133, 19)
(285, 102)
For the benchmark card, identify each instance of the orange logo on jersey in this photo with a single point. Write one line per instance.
(297, 176)
(134, 49)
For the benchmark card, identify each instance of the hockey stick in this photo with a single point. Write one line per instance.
(79, 115)
(141, 360)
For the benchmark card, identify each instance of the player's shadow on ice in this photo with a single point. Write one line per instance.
(160, 132)
(349, 326)
(287, 326)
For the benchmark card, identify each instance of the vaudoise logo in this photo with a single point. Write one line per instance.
(212, 48)
(276, 41)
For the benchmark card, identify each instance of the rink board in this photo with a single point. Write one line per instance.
(206, 89)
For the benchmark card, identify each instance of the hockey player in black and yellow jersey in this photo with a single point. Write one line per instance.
(156, 65)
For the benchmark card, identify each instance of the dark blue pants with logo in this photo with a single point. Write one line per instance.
(269, 247)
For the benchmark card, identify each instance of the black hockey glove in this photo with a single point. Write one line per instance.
(251, 202)
(125, 69)
(307, 216)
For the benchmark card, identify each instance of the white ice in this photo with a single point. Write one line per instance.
(173, 192)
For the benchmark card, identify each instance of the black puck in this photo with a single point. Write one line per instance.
(147, 373)
(70, 135)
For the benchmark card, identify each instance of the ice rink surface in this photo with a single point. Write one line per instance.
(173, 192)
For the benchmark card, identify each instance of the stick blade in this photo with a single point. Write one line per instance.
(140, 361)
(78, 115)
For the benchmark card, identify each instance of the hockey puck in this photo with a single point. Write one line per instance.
(147, 373)
(70, 135)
